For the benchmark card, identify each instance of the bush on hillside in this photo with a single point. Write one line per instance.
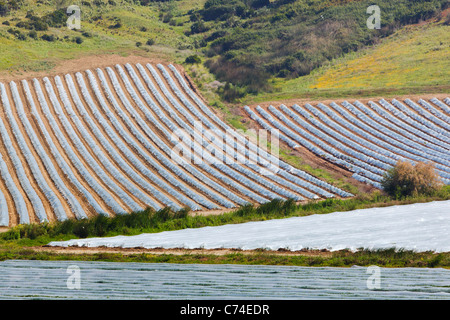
(193, 59)
(4, 9)
(406, 179)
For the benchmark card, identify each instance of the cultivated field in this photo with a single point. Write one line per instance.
(420, 227)
(102, 142)
(366, 139)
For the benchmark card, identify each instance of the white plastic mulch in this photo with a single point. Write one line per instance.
(419, 227)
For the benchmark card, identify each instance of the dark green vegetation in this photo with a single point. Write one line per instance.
(250, 41)
(250, 46)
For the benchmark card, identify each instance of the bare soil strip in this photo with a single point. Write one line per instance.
(177, 251)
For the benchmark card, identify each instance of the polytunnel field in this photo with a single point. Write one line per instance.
(101, 142)
(369, 138)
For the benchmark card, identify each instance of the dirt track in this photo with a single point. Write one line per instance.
(160, 251)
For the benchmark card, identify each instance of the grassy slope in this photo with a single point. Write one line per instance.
(414, 60)
(40, 55)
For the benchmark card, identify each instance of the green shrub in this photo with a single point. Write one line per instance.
(193, 59)
(50, 38)
(78, 40)
(150, 42)
(4, 8)
(33, 34)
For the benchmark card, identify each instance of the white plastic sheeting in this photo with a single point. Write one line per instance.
(378, 136)
(36, 202)
(262, 155)
(52, 198)
(350, 154)
(441, 105)
(4, 216)
(143, 125)
(136, 147)
(90, 160)
(440, 132)
(76, 162)
(419, 227)
(435, 111)
(413, 147)
(48, 164)
(405, 135)
(18, 199)
(429, 115)
(189, 168)
(408, 130)
(323, 150)
(220, 146)
(134, 130)
(188, 191)
(96, 149)
(197, 149)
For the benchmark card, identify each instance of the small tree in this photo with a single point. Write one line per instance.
(193, 59)
(405, 179)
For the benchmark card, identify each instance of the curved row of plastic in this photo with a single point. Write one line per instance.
(434, 111)
(155, 108)
(402, 145)
(407, 127)
(130, 172)
(116, 150)
(430, 115)
(331, 129)
(411, 140)
(322, 149)
(240, 152)
(222, 147)
(378, 143)
(422, 118)
(400, 141)
(315, 184)
(441, 105)
(378, 136)
(197, 149)
(149, 116)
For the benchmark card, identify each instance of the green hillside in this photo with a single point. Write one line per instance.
(244, 50)
(414, 60)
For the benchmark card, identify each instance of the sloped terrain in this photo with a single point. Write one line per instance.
(110, 141)
(366, 139)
